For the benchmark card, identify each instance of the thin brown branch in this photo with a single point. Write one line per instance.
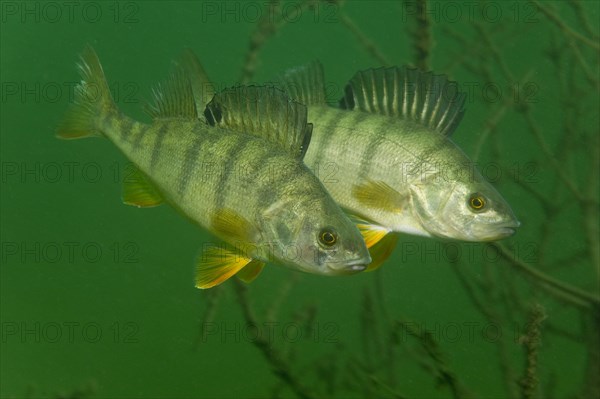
(557, 288)
(363, 40)
(567, 30)
(280, 368)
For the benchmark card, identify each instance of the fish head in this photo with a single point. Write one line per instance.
(463, 206)
(317, 237)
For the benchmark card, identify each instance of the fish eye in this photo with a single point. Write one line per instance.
(477, 202)
(328, 237)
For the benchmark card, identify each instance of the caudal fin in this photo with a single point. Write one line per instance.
(93, 100)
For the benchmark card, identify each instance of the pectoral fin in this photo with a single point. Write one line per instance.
(379, 195)
(139, 191)
(229, 223)
(216, 265)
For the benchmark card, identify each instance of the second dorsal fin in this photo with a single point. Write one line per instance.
(174, 98)
(428, 99)
(202, 89)
(265, 112)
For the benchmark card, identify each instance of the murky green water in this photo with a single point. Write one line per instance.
(98, 298)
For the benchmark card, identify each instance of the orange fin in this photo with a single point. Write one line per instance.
(216, 265)
(251, 271)
(371, 233)
(382, 250)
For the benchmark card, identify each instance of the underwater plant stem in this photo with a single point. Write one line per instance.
(492, 316)
(568, 31)
(531, 340)
(265, 28)
(422, 36)
(558, 288)
(280, 368)
(212, 298)
(441, 371)
(367, 43)
(535, 130)
(591, 385)
(590, 209)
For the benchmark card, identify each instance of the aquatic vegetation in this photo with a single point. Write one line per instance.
(543, 140)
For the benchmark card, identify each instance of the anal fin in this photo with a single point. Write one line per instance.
(139, 191)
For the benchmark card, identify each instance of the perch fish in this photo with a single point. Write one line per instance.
(386, 156)
(238, 173)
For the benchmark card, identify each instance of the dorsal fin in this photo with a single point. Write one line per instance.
(305, 84)
(265, 112)
(428, 99)
(174, 98)
(202, 89)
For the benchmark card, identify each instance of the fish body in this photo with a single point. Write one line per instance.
(401, 176)
(251, 190)
(386, 156)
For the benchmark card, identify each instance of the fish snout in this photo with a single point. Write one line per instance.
(349, 267)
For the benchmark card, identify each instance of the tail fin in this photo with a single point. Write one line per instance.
(92, 100)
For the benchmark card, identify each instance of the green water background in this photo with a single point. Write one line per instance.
(138, 291)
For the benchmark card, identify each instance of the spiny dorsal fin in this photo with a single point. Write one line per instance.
(428, 99)
(265, 112)
(174, 98)
(305, 84)
(202, 89)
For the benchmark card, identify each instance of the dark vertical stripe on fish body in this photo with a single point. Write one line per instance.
(107, 121)
(425, 160)
(125, 128)
(138, 136)
(160, 136)
(231, 159)
(371, 150)
(265, 181)
(191, 158)
(327, 130)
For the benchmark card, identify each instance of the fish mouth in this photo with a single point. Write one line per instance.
(351, 267)
(504, 230)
